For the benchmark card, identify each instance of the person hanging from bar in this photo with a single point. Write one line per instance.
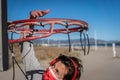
(61, 68)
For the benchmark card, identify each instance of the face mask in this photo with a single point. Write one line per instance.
(49, 75)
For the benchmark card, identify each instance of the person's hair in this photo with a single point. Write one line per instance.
(71, 68)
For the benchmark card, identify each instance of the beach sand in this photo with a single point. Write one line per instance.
(101, 65)
(98, 65)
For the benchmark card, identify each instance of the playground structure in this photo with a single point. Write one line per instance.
(18, 27)
(44, 27)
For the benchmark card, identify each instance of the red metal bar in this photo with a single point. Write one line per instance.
(15, 26)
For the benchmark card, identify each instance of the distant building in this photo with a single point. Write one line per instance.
(44, 44)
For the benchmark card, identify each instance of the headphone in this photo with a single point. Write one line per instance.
(72, 61)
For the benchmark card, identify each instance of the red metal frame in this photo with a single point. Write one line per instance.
(18, 27)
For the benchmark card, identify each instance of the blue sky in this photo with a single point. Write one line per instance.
(103, 16)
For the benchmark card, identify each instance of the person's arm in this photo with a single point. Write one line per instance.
(36, 14)
(28, 54)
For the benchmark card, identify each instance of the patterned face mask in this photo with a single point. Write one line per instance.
(49, 75)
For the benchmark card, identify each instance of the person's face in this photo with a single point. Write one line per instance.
(59, 69)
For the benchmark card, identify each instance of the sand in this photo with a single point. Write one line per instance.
(101, 65)
(98, 65)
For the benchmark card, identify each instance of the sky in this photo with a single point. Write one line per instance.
(103, 16)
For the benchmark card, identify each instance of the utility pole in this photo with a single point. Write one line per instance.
(114, 50)
(4, 56)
